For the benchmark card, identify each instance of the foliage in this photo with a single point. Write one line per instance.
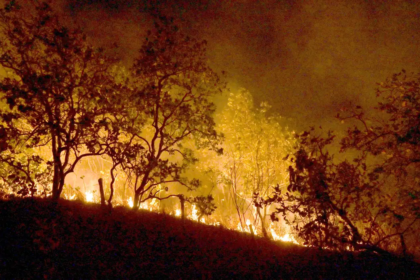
(255, 144)
(326, 199)
(58, 89)
(205, 205)
(67, 101)
(392, 136)
(173, 85)
(23, 175)
(372, 201)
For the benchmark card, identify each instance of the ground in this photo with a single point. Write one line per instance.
(73, 240)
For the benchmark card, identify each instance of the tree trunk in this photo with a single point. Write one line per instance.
(136, 201)
(403, 246)
(58, 185)
(58, 180)
(251, 229)
(55, 193)
(263, 229)
(111, 187)
(101, 192)
(138, 191)
(182, 201)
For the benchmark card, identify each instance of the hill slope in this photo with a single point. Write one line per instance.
(40, 239)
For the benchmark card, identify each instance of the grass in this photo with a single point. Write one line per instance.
(73, 240)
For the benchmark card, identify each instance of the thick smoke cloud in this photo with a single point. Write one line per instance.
(306, 58)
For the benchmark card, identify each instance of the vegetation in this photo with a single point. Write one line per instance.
(173, 85)
(59, 91)
(63, 102)
(254, 146)
(66, 103)
(372, 201)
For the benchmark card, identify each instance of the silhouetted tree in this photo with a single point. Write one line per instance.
(204, 204)
(172, 86)
(371, 200)
(58, 88)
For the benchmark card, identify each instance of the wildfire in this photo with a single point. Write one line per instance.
(288, 238)
(194, 215)
(89, 196)
(249, 228)
(70, 197)
(153, 206)
(285, 238)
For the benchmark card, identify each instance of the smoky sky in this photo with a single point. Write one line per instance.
(305, 58)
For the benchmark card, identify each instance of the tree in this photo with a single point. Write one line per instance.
(371, 200)
(255, 144)
(172, 86)
(58, 88)
(23, 174)
(204, 204)
(392, 138)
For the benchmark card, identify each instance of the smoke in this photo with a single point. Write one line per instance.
(306, 58)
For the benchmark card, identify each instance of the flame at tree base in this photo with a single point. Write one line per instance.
(249, 227)
(130, 202)
(285, 238)
(89, 196)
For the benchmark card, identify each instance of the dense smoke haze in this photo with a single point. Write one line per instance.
(306, 58)
(107, 102)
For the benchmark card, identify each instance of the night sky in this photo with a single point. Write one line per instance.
(306, 58)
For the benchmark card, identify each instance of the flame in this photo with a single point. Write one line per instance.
(285, 238)
(144, 205)
(288, 238)
(194, 215)
(152, 205)
(249, 228)
(89, 196)
(148, 206)
(274, 234)
(239, 228)
(153, 202)
(70, 197)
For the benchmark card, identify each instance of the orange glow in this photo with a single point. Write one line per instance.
(152, 206)
(89, 196)
(194, 215)
(285, 238)
(70, 197)
(288, 238)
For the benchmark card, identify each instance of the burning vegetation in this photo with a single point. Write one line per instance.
(79, 125)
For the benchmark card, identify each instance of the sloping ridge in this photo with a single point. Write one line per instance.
(73, 240)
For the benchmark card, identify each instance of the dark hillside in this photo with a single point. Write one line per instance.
(80, 241)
